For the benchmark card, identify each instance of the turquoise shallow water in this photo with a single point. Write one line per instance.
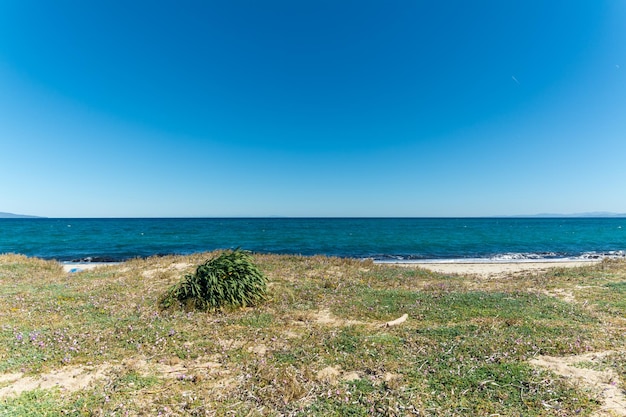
(391, 239)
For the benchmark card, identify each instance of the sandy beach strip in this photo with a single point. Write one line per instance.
(484, 269)
(491, 269)
(72, 267)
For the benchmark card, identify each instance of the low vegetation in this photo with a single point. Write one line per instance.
(228, 280)
(98, 342)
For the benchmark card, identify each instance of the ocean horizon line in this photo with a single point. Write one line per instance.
(505, 216)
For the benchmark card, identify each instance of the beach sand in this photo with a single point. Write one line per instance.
(483, 269)
(79, 267)
(493, 269)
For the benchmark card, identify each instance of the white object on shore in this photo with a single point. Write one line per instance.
(396, 321)
(79, 267)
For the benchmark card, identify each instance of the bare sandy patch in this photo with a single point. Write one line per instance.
(325, 317)
(333, 374)
(75, 378)
(259, 349)
(329, 374)
(562, 294)
(602, 381)
(228, 344)
(70, 378)
(4, 378)
(494, 269)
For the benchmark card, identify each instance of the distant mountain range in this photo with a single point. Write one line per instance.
(16, 216)
(589, 214)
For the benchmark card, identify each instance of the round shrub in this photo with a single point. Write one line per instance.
(231, 279)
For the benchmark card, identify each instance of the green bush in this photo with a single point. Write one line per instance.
(231, 279)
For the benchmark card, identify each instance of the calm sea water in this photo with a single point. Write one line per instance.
(385, 239)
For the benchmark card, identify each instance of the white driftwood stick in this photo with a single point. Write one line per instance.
(396, 321)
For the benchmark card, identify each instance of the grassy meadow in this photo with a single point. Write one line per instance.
(317, 346)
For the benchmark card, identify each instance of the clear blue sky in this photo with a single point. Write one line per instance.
(312, 108)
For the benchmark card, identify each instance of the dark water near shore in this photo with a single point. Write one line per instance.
(107, 240)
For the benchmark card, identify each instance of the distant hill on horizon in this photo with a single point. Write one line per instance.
(4, 215)
(589, 214)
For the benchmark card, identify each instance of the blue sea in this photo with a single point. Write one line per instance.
(382, 239)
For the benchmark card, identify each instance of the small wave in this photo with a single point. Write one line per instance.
(533, 256)
(615, 254)
(506, 257)
(95, 259)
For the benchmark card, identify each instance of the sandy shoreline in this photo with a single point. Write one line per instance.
(79, 267)
(487, 269)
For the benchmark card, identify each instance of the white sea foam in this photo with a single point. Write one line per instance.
(544, 257)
